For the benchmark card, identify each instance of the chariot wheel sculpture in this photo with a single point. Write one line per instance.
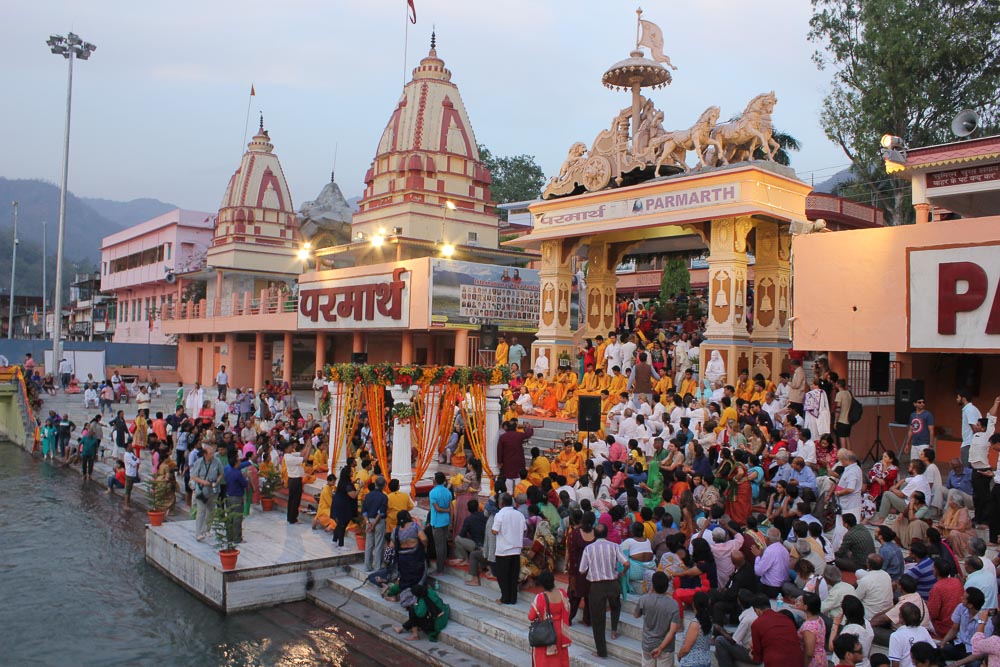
(596, 173)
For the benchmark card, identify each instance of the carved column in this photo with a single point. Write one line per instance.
(726, 331)
(493, 393)
(772, 285)
(555, 330)
(402, 464)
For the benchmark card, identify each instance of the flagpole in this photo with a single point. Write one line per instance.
(247, 121)
(406, 36)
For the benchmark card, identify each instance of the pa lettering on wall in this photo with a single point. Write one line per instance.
(954, 298)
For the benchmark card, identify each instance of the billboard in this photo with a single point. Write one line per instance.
(467, 295)
(381, 301)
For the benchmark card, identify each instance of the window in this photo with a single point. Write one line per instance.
(473, 236)
(138, 259)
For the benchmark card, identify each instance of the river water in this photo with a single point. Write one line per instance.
(75, 589)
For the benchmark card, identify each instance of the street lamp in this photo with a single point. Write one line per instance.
(69, 47)
(13, 267)
(447, 249)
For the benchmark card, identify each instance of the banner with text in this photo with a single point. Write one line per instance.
(466, 295)
(381, 301)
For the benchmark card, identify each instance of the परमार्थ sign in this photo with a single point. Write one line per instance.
(381, 301)
(954, 298)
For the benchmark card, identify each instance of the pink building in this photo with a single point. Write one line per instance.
(137, 266)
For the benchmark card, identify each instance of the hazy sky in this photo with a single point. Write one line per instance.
(159, 110)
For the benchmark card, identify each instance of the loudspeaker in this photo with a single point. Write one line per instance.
(907, 391)
(589, 415)
(969, 372)
(878, 372)
(359, 358)
(488, 336)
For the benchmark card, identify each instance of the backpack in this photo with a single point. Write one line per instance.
(827, 509)
(855, 411)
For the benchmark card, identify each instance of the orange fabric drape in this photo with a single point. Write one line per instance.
(433, 415)
(345, 404)
(474, 413)
(375, 400)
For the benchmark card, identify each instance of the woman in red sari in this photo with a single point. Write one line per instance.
(581, 533)
(551, 602)
(883, 475)
(740, 496)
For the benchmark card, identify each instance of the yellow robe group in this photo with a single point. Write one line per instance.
(571, 464)
(563, 382)
(538, 470)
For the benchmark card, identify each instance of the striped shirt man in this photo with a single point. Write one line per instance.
(600, 560)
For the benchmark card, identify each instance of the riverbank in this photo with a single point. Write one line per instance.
(77, 590)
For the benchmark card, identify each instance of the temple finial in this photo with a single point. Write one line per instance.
(261, 121)
(433, 39)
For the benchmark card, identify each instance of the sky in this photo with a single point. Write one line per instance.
(160, 109)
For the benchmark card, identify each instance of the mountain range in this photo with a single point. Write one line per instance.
(87, 222)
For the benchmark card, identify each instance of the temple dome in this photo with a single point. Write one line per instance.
(257, 225)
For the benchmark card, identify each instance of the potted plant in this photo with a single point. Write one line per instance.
(157, 494)
(270, 482)
(222, 529)
(357, 526)
(564, 359)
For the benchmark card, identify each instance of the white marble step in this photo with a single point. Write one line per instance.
(476, 629)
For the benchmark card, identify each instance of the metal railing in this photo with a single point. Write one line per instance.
(236, 306)
(859, 375)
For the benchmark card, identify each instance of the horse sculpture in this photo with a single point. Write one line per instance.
(738, 139)
(675, 145)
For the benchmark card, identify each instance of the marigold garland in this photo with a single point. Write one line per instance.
(409, 375)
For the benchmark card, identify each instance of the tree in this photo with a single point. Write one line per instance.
(676, 278)
(905, 68)
(515, 177)
(786, 142)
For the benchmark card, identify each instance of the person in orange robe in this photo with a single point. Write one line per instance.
(547, 405)
(571, 408)
(589, 383)
(323, 518)
(568, 462)
(564, 381)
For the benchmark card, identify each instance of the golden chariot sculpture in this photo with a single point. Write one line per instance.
(636, 146)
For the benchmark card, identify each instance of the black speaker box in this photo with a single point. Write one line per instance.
(589, 417)
(878, 373)
(907, 391)
(488, 336)
(359, 358)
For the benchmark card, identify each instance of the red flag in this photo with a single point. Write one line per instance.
(150, 319)
(412, 11)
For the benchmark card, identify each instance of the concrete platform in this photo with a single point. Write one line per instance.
(278, 563)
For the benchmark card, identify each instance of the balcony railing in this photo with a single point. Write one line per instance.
(238, 305)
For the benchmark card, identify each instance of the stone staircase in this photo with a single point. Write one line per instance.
(480, 631)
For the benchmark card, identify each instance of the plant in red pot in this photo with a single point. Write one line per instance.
(158, 495)
(358, 527)
(225, 535)
(270, 482)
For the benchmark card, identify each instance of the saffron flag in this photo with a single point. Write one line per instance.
(412, 11)
(652, 38)
(252, 91)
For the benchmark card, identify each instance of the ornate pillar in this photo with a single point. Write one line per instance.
(555, 331)
(726, 331)
(493, 393)
(601, 284)
(772, 285)
(402, 464)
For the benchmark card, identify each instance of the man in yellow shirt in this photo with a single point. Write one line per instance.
(571, 407)
(398, 501)
(589, 383)
(664, 384)
(603, 381)
(689, 385)
(539, 468)
(563, 382)
(744, 386)
(501, 353)
(323, 517)
(618, 383)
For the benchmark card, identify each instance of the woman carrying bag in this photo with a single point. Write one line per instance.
(550, 606)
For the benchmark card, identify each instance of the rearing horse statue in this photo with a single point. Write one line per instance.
(675, 145)
(741, 137)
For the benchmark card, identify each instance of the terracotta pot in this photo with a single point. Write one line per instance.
(360, 539)
(228, 559)
(156, 518)
(267, 504)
